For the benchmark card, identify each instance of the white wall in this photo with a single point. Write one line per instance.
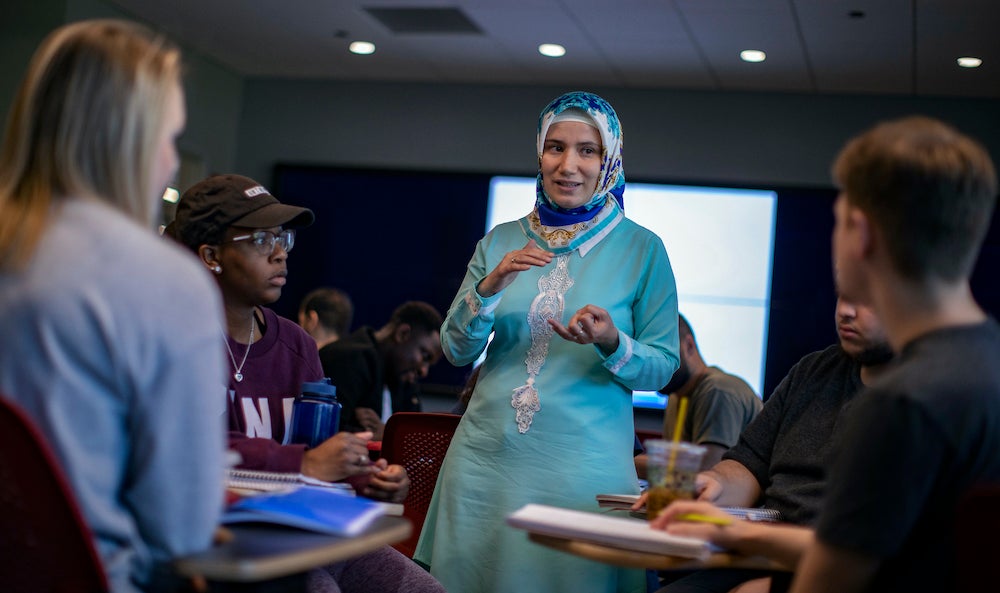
(22, 27)
(214, 93)
(682, 136)
(249, 125)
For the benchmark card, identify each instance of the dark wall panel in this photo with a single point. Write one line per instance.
(390, 236)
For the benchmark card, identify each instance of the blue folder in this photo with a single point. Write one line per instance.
(316, 509)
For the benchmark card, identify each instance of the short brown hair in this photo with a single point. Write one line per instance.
(333, 308)
(929, 189)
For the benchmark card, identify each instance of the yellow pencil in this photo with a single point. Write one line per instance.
(699, 518)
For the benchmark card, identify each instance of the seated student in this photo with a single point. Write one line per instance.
(781, 458)
(720, 405)
(916, 200)
(101, 340)
(243, 235)
(326, 315)
(376, 371)
(465, 395)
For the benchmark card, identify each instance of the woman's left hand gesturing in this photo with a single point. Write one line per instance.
(589, 325)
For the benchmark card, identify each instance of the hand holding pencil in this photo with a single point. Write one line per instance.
(701, 520)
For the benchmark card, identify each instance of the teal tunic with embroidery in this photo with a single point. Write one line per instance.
(579, 441)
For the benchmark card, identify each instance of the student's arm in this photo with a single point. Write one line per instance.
(781, 542)
(641, 465)
(828, 569)
(728, 483)
(713, 455)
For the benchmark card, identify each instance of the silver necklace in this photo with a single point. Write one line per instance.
(238, 375)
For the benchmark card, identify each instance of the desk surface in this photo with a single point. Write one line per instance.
(259, 552)
(634, 559)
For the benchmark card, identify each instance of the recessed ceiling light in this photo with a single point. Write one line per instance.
(171, 195)
(362, 48)
(969, 62)
(552, 50)
(752, 55)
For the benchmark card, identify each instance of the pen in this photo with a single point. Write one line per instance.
(699, 518)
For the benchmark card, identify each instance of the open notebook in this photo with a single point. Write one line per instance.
(620, 532)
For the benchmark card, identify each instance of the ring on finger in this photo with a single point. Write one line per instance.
(513, 260)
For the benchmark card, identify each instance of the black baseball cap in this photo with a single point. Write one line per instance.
(211, 206)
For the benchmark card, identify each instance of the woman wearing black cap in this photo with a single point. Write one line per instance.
(243, 234)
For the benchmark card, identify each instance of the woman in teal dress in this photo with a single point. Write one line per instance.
(583, 308)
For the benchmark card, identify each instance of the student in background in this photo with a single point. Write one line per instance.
(466, 392)
(376, 371)
(720, 405)
(916, 198)
(108, 330)
(583, 308)
(326, 315)
(243, 235)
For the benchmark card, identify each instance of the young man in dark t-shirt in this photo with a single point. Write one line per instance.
(915, 203)
(781, 458)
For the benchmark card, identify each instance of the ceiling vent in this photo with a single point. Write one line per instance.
(424, 20)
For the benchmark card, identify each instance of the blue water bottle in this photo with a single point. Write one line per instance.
(315, 414)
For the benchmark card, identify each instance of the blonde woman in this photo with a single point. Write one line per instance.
(110, 333)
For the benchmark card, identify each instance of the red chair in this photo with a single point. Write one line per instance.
(418, 441)
(45, 545)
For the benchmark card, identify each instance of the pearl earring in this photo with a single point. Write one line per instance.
(217, 269)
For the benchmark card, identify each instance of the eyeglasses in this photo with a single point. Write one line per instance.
(264, 241)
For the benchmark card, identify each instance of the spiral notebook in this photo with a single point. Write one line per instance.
(264, 481)
(625, 502)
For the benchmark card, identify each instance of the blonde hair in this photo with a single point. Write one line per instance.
(85, 124)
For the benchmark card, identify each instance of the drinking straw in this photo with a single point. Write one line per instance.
(681, 412)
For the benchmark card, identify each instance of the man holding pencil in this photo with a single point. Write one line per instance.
(916, 200)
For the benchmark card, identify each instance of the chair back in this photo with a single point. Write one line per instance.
(977, 522)
(418, 441)
(45, 545)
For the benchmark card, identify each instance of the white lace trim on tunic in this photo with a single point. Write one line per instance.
(548, 304)
(472, 302)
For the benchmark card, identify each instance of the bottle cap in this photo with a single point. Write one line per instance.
(324, 389)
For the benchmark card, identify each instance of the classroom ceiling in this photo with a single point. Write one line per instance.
(894, 47)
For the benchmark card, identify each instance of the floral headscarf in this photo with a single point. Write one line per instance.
(612, 180)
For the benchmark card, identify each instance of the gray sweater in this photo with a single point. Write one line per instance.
(112, 343)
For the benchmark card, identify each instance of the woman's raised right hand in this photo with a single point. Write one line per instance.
(513, 263)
